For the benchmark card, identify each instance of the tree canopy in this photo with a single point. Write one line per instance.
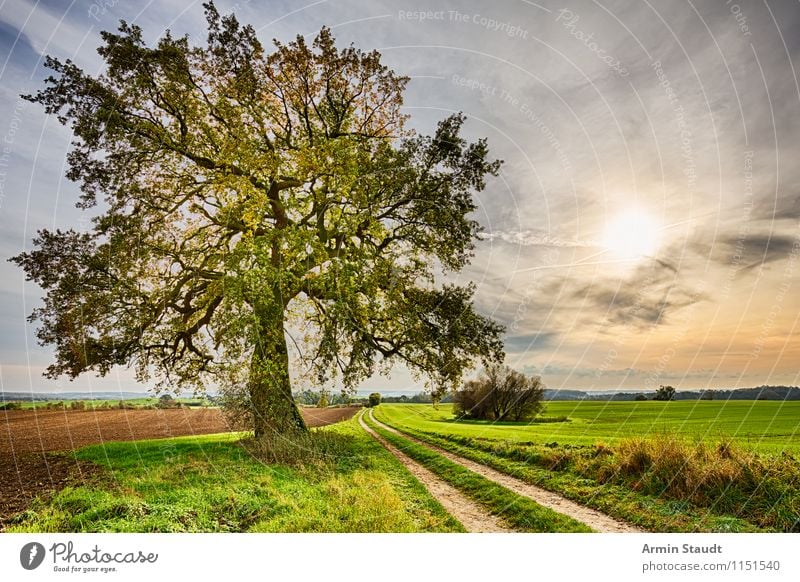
(665, 393)
(237, 193)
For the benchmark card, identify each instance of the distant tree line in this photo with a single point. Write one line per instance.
(322, 398)
(758, 393)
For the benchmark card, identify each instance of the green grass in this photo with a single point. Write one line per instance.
(681, 479)
(766, 426)
(651, 512)
(519, 512)
(212, 484)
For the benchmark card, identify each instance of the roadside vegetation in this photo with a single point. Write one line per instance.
(660, 482)
(517, 511)
(347, 482)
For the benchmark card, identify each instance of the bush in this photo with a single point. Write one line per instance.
(167, 401)
(77, 405)
(11, 406)
(374, 399)
(501, 393)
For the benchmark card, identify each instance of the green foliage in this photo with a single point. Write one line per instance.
(314, 398)
(500, 393)
(374, 399)
(244, 190)
(664, 393)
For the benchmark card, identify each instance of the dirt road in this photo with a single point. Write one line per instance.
(472, 516)
(594, 519)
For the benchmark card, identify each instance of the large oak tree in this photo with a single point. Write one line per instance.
(239, 191)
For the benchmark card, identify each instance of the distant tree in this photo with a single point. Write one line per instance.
(167, 401)
(374, 399)
(243, 190)
(640, 398)
(323, 400)
(665, 393)
(500, 393)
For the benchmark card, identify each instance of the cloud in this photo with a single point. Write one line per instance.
(783, 208)
(530, 238)
(14, 43)
(758, 250)
(643, 299)
(530, 342)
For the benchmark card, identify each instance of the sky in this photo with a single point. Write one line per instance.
(644, 228)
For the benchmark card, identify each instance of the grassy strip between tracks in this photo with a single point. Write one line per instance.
(517, 511)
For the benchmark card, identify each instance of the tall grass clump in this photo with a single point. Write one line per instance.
(723, 477)
(314, 447)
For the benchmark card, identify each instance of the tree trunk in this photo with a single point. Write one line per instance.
(273, 407)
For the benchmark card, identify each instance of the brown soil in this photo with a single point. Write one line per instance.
(471, 515)
(29, 467)
(37, 431)
(594, 519)
(36, 475)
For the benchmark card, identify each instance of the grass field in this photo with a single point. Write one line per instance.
(667, 466)
(211, 483)
(765, 426)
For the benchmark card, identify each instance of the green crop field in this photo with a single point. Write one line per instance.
(765, 426)
(667, 466)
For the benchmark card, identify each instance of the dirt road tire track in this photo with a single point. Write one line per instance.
(472, 516)
(594, 519)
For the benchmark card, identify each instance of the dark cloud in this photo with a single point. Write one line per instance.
(786, 207)
(530, 342)
(757, 250)
(643, 299)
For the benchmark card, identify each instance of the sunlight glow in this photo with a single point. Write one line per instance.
(631, 235)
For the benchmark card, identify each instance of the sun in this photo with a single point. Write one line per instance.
(631, 235)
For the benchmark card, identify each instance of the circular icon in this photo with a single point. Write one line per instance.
(31, 555)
